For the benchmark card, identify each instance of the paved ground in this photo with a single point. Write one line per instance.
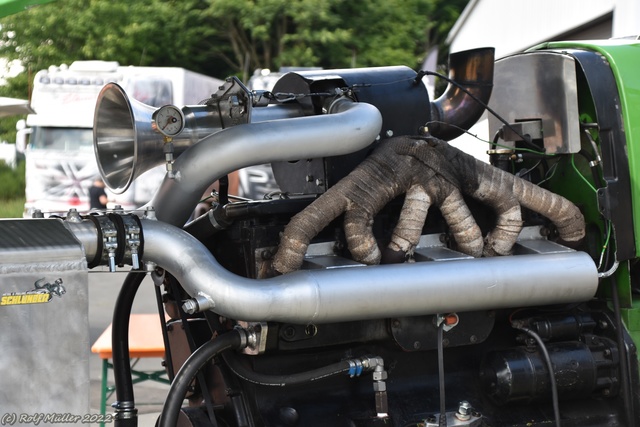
(103, 291)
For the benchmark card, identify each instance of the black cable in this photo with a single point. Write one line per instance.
(552, 375)
(624, 366)
(443, 409)
(165, 336)
(287, 379)
(125, 402)
(198, 359)
(202, 381)
(525, 139)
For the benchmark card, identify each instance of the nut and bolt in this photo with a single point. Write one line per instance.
(464, 411)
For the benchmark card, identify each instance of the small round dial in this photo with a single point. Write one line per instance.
(168, 120)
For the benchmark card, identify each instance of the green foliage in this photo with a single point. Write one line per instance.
(225, 37)
(12, 208)
(152, 33)
(12, 186)
(332, 33)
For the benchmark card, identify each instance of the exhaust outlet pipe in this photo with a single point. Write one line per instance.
(455, 109)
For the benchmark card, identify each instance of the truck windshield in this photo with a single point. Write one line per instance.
(62, 139)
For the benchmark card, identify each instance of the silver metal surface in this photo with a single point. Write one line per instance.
(125, 143)
(350, 127)
(333, 295)
(44, 316)
(539, 86)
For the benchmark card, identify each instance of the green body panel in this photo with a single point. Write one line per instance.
(623, 57)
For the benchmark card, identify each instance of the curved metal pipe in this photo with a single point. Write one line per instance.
(455, 109)
(349, 127)
(334, 295)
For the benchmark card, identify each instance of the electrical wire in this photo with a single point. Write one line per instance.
(550, 173)
(526, 139)
(492, 143)
(443, 410)
(586, 181)
(552, 375)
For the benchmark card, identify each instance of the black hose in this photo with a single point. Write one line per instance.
(286, 379)
(125, 411)
(232, 340)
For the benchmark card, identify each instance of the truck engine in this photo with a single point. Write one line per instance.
(393, 280)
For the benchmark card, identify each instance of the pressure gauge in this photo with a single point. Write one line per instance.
(168, 120)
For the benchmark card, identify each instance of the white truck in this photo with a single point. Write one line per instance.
(58, 139)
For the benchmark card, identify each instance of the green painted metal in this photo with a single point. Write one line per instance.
(623, 56)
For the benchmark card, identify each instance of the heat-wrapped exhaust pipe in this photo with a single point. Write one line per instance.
(348, 127)
(335, 295)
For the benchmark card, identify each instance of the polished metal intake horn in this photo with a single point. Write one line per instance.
(125, 142)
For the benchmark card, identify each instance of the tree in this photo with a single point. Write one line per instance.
(224, 37)
(152, 33)
(332, 33)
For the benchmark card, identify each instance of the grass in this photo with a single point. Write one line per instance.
(11, 208)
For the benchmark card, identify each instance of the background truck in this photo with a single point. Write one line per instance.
(57, 139)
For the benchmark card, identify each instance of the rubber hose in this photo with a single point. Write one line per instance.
(232, 340)
(287, 379)
(120, 345)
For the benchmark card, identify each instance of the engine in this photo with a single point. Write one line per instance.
(393, 280)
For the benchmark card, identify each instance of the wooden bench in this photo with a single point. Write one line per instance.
(145, 340)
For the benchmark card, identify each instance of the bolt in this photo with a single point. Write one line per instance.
(607, 352)
(464, 411)
(289, 332)
(309, 178)
(319, 182)
(266, 254)
(396, 323)
(190, 306)
(416, 345)
(603, 324)
(473, 339)
(311, 330)
(389, 133)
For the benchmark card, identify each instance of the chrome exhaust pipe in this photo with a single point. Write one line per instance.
(455, 110)
(372, 292)
(360, 293)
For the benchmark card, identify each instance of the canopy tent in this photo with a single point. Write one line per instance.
(13, 106)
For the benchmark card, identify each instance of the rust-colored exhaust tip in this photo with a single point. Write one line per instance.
(455, 111)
